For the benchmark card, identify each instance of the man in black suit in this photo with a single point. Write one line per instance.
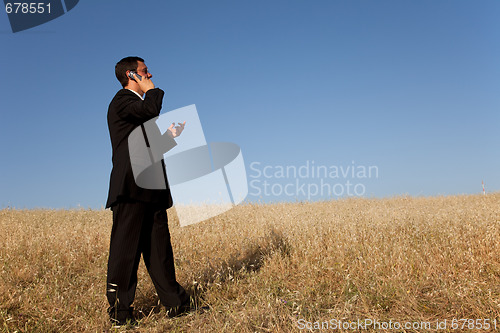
(140, 222)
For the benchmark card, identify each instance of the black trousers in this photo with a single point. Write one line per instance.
(141, 228)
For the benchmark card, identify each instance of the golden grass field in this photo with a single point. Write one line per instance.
(268, 267)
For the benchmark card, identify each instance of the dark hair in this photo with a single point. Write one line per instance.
(124, 65)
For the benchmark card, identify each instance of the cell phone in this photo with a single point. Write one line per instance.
(131, 75)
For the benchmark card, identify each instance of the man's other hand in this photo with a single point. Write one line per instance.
(175, 131)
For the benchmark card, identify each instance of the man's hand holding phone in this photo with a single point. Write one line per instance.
(144, 82)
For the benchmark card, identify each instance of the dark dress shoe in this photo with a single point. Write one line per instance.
(122, 317)
(178, 311)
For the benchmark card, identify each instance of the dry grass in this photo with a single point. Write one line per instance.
(261, 268)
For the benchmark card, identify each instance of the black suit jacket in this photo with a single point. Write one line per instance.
(126, 112)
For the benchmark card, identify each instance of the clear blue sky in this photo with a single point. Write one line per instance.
(411, 87)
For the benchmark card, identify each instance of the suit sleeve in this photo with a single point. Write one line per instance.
(138, 111)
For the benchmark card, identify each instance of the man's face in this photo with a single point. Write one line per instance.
(142, 70)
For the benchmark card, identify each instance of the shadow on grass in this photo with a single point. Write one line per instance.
(236, 265)
(251, 260)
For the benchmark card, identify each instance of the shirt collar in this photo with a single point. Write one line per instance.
(135, 92)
